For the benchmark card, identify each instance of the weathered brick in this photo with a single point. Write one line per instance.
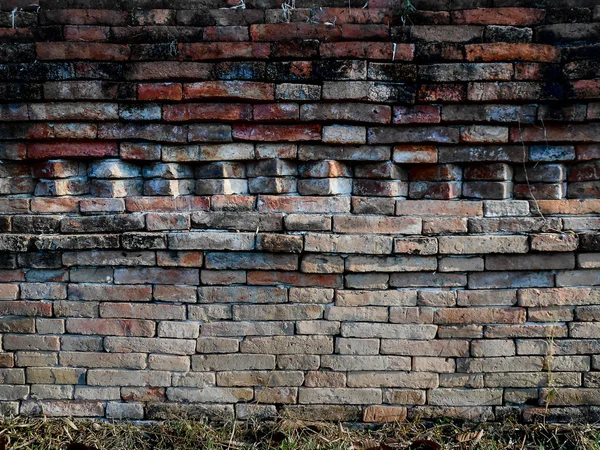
(482, 244)
(347, 243)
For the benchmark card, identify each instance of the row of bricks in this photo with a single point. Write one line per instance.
(290, 169)
(425, 184)
(382, 280)
(460, 274)
(352, 60)
(118, 188)
(367, 91)
(278, 159)
(521, 375)
(355, 395)
(306, 187)
(448, 70)
(294, 206)
(217, 146)
(366, 230)
(242, 17)
(345, 243)
(541, 240)
(218, 352)
(295, 31)
(103, 111)
(349, 413)
(219, 299)
(210, 50)
(350, 353)
(273, 320)
(130, 5)
(234, 265)
(440, 397)
(360, 225)
(375, 135)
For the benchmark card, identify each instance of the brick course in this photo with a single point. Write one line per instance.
(334, 211)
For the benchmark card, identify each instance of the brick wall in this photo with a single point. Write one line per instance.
(212, 210)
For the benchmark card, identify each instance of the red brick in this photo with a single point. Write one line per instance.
(365, 31)
(277, 111)
(417, 114)
(367, 50)
(225, 50)
(295, 49)
(484, 133)
(539, 191)
(557, 132)
(585, 171)
(379, 413)
(514, 91)
(54, 205)
(567, 206)
(233, 202)
(207, 111)
(50, 150)
(111, 327)
(534, 71)
(169, 70)
(304, 204)
(480, 315)
(248, 90)
(7, 360)
(496, 171)
(143, 394)
(439, 190)
(274, 133)
(512, 52)
(447, 33)
(589, 189)
(588, 152)
(8, 276)
(139, 151)
(160, 91)
(584, 89)
(82, 50)
(25, 308)
(293, 279)
(154, 17)
(13, 151)
(499, 16)
(438, 208)
(86, 33)
(179, 259)
(167, 204)
(14, 112)
(233, 33)
(285, 31)
(435, 172)
(62, 131)
(411, 154)
(450, 93)
(352, 15)
(84, 17)
(347, 112)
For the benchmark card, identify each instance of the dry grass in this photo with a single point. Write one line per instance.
(27, 433)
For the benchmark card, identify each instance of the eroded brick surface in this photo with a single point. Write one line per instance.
(337, 212)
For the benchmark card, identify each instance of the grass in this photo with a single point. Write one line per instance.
(45, 433)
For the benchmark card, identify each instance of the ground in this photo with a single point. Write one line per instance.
(28, 433)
